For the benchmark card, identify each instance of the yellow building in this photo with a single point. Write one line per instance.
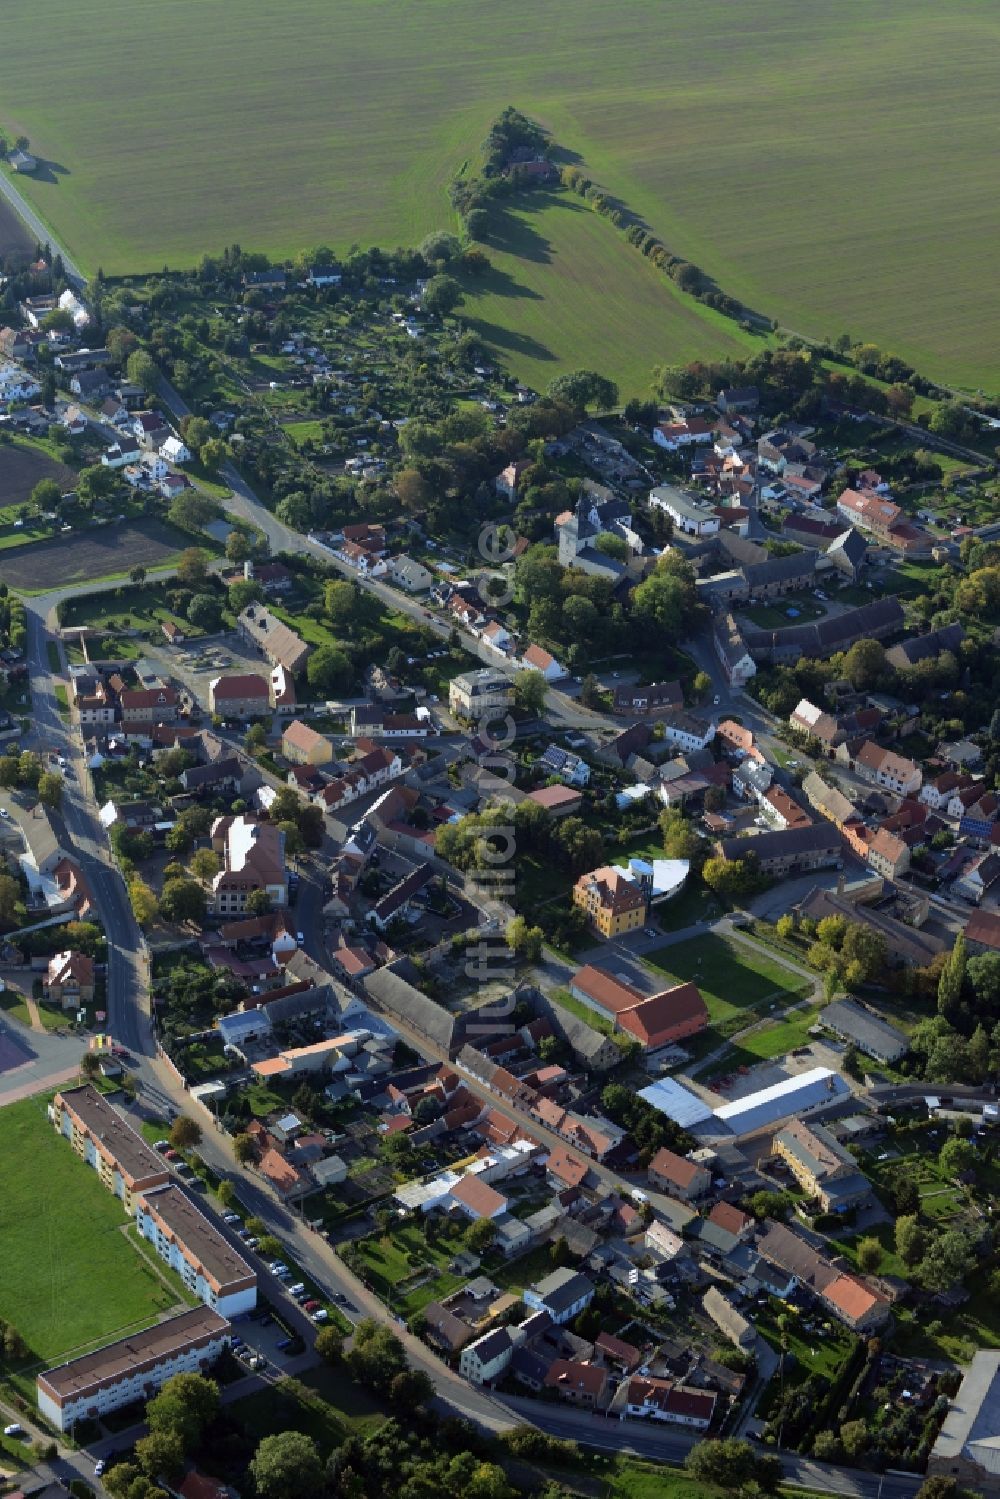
(612, 903)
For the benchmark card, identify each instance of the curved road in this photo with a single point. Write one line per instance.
(40, 230)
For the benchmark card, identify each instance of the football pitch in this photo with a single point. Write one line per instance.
(830, 164)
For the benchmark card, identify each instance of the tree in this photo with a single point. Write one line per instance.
(192, 510)
(982, 972)
(187, 1403)
(956, 1156)
(192, 567)
(226, 1193)
(242, 593)
(524, 940)
(869, 1255)
(411, 1389)
(204, 864)
(10, 895)
(702, 684)
(137, 575)
(287, 1465)
(141, 370)
(481, 1235)
(952, 979)
(185, 1132)
(731, 1464)
(330, 1344)
(340, 601)
(680, 841)
(441, 295)
(328, 670)
(414, 491)
(145, 906)
(376, 1356)
(785, 927)
(45, 496)
(911, 1241)
(259, 903)
(183, 900)
(205, 612)
(50, 788)
(864, 665)
(529, 693)
(213, 454)
(90, 1064)
(238, 548)
(178, 839)
(947, 1260)
(662, 601)
(161, 1452)
(583, 388)
(244, 1149)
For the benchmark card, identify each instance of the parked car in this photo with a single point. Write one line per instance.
(311, 1305)
(161, 1145)
(299, 1285)
(99, 1466)
(15, 1429)
(321, 1316)
(231, 1218)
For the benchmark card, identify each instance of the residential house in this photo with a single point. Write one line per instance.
(148, 705)
(656, 1399)
(884, 768)
(121, 453)
(612, 903)
(732, 650)
(508, 479)
(253, 859)
(563, 763)
(821, 1166)
(849, 553)
(537, 659)
(688, 731)
(578, 1383)
(730, 1322)
(692, 516)
(480, 694)
(275, 640)
(888, 855)
(558, 801)
(175, 451)
(678, 1176)
(302, 745)
(69, 979)
(242, 696)
(649, 701)
(793, 850)
(409, 574)
(483, 1361)
(563, 1294)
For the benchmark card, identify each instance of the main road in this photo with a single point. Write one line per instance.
(40, 230)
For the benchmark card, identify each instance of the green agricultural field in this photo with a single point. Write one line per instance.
(71, 1277)
(566, 290)
(734, 979)
(831, 169)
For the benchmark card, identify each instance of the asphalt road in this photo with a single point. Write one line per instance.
(39, 229)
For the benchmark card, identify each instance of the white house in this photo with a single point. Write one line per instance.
(535, 659)
(486, 1359)
(175, 451)
(125, 450)
(688, 731)
(496, 637)
(692, 516)
(563, 1294)
(155, 467)
(17, 385)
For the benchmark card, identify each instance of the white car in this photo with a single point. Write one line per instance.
(716, 700)
(15, 1429)
(321, 1316)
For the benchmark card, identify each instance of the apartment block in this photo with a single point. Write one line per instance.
(133, 1369)
(125, 1163)
(190, 1244)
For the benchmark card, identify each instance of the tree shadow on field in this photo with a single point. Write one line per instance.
(511, 341)
(500, 283)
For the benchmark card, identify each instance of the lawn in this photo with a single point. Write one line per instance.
(733, 979)
(388, 1261)
(70, 1277)
(593, 1018)
(565, 283)
(860, 112)
(779, 615)
(134, 608)
(324, 1404)
(773, 1039)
